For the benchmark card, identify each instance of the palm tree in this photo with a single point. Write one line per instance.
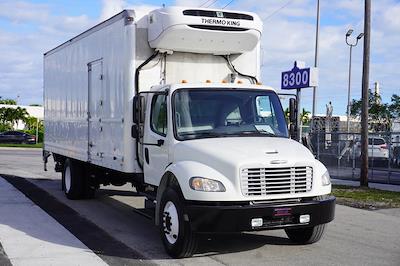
(305, 118)
(287, 114)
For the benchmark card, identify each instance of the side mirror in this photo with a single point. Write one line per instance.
(134, 131)
(135, 110)
(139, 106)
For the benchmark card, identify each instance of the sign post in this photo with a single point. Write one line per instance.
(297, 78)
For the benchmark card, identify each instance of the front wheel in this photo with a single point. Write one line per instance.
(177, 236)
(306, 235)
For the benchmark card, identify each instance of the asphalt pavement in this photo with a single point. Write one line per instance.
(355, 237)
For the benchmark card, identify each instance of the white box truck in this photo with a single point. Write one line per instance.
(172, 104)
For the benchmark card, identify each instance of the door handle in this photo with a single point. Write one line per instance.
(159, 143)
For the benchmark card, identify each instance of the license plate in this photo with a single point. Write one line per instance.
(278, 212)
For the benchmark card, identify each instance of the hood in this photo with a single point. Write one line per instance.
(236, 152)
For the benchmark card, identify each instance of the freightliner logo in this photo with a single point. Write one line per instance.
(220, 22)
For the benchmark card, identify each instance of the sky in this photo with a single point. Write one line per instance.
(30, 28)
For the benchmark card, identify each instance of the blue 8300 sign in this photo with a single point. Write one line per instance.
(295, 79)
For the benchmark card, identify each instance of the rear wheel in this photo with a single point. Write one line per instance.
(75, 182)
(177, 236)
(72, 180)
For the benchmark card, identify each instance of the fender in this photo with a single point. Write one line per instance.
(182, 171)
(185, 170)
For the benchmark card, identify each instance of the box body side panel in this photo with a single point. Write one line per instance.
(88, 114)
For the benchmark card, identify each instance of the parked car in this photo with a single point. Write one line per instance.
(17, 137)
(378, 149)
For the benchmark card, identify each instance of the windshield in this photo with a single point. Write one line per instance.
(205, 113)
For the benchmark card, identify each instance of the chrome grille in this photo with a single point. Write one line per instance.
(272, 181)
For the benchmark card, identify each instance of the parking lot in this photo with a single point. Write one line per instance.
(109, 229)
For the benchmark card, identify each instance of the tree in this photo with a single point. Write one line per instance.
(31, 123)
(394, 107)
(5, 124)
(19, 114)
(380, 114)
(10, 116)
(8, 101)
(305, 116)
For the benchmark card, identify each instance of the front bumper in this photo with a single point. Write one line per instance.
(237, 218)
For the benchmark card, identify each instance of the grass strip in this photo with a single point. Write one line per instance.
(366, 198)
(10, 145)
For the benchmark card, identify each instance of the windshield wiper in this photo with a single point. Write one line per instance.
(200, 134)
(257, 133)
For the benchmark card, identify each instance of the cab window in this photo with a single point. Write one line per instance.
(158, 121)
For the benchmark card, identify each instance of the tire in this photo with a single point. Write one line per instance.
(89, 188)
(306, 235)
(176, 234)
(73, 180)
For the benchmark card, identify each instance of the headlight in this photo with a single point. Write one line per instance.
(326, 179)
(205, 184)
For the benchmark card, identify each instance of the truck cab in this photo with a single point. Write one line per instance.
(221, 160)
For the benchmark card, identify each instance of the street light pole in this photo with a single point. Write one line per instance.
(351, 45)
(348, 93)
(315, 62)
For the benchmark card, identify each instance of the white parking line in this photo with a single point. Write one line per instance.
(31, 237)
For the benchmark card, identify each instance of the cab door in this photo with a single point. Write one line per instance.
(155, 142)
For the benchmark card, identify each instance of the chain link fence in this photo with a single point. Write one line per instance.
(340, 152)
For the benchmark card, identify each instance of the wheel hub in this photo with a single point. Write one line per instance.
(170, 222)
(67, 179)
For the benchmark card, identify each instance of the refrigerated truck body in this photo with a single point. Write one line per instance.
(172, 103)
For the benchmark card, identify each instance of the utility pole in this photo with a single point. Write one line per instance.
(364, 95)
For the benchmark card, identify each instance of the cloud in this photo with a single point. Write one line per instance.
(111, 7)
(193, 3)
(19, 11)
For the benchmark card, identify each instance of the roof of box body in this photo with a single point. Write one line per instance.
(121, 15)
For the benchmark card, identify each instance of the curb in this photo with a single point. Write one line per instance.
(20, 149)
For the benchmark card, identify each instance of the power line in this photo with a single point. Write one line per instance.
(206, 2)
(276, 11)
(230, 2)
(212, 3)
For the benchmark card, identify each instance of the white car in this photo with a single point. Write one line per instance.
(377, 149)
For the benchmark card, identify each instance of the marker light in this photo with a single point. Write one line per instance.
(304, 218)
(183, 81)
(224, 81)
(240, 82)
(208, 81)
(256, 222)
(258, 83)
